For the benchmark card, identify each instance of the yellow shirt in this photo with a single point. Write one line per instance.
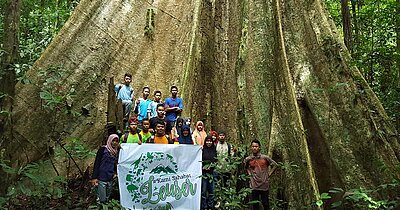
(160, 140)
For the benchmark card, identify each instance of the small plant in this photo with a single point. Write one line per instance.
(321, 198)
(149, 28)
(34, 185)
(54, 94)
(113, 204)
(227, 193)
(360, 198)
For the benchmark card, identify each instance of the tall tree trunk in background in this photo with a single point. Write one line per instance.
(398, 42)
(243, 65)
(346, 24)
(11, 46)
(355, 21)
(7, 73)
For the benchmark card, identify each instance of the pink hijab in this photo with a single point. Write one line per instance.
(109, 144)
(199, 136)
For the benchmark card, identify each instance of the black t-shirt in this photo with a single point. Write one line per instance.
(154, 120)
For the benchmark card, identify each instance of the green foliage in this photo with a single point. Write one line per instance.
(40, 21)
(34, 185)
(361, 198)
(54, 93)
(227, 194)
(79, 149)
(112, 205)
(373, 25)
(321, 198)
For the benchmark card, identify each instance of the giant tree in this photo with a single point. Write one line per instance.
(273, 70)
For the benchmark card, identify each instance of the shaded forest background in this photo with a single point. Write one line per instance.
(370, 31)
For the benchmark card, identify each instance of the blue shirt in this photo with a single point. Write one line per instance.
(177, 102)
(124, 92)
(152, 109)
(106, 171)
(142, 108)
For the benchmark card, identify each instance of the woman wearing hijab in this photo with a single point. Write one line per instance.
(176, 130)
(185, 137)
(199, 135)
(214, 136)
(104, 168)
(208, 175)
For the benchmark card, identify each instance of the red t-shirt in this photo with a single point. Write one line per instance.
(257, 168)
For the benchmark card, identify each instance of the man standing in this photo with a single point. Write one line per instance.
(132, 136)
(224, 152)
(257, 166)
(145, 133)
(160, 117)
(125, 93)
(152, 109)
(160, 137)
(142, 104)
(173, 108)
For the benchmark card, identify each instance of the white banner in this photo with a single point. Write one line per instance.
(160, 176)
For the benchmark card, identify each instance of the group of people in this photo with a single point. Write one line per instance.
(146, 109)
(160, 122)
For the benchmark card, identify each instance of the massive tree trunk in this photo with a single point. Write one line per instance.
(273, 70)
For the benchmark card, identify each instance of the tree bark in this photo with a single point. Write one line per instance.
(398, 42)
(346, 24)
(355, 21)
(11, 46)
(244, 66)
(8, 77)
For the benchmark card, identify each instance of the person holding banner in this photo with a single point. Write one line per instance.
(208, 177)
(132, 136)
(160, 137)
(104, 169)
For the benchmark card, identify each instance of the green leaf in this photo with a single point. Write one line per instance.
(325, 196)
(319, 203)
(8, 169)
(336, 204)
(26, 191)
(11, 191)
(336, 190)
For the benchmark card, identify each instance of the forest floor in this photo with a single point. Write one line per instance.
(78, 195)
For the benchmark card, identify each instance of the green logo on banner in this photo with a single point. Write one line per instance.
(162, 180)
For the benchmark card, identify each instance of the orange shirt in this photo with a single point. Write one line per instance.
(160, 140)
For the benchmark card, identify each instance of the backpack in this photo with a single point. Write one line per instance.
(126, 137)
(229, 149)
